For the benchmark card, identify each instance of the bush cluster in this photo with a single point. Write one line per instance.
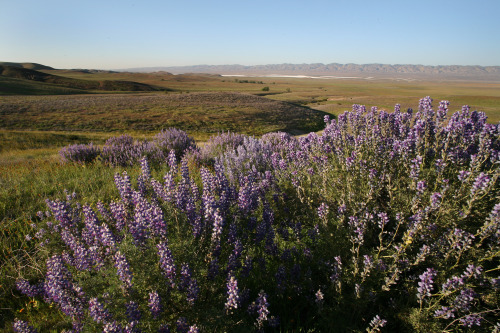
(125, 151)
(385, 221)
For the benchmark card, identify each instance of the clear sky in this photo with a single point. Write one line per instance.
(109, 34)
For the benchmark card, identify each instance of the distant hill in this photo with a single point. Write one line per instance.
(27, 65)
(481, 73)
(19, 72)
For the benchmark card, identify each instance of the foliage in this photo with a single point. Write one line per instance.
(80, 153)
(386, 220)
(125, 151)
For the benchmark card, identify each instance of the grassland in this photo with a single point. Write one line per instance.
(33, 128)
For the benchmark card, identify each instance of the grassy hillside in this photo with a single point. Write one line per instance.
(27, 65)
(196, 113)
(13, 86)
(106, 85)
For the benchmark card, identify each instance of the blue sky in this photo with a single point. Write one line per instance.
(109, 34)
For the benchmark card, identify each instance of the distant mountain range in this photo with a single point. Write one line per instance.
(482, 73)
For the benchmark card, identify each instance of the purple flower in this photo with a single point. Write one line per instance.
(29, 290)
(471, 320)
(480, 183)
(319, 297)
(323, 210)
(154, 304)
(182, 325)
(445, 312)
(425, 285)
(23, 327)
(132, 311)
(232, 294)
(376, 323)
(194, 329)
(167, 262)
(123, 270)
(262, 309)
(189, 284)
(97, 311)
(112, 327)
(435, 199)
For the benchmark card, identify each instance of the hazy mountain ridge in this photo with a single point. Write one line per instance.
(382, 70)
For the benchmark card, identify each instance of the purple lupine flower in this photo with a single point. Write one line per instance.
(368, 265)
(193, 329)
(319, 296)
(119, 213)
(415, 167)
(21, 326)
(132, 311)
(232, 294)
(337, 270)
(112, 327)
(154, 304)
(167, 262)
(132, 327)
(262, 309)
(182, 325)
(445, 312)
(435, 199)
(472, 272)
(123, 269)
(60, 289)
(189, 284)
(471, 320)
(480, 184)
(192, 291)
(97, 311)
(376, 323)
(425, 285)
(464, 300)
(460, 240)
(383, 219)
(421, 186)
(323, 211)
(358, 227)
(29, 290)
(234, 259)
(124, 187)
(164, 328)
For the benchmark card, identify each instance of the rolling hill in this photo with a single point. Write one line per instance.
(22, 73)
(27, 65)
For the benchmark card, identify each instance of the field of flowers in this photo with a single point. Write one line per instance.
(384, 222)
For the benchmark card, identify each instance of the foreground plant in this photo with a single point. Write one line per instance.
(388, 216)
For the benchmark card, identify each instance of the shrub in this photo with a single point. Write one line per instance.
(385, 220)
(80, 153)
(122, 151)
(173, 139)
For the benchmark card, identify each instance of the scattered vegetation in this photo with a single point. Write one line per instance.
(196, 113)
